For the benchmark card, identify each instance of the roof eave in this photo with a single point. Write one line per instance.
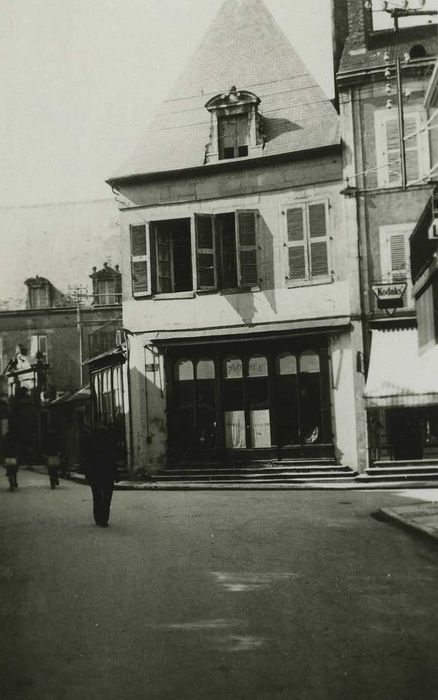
(242, 164)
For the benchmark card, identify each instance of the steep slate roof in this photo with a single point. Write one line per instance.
(246, 48)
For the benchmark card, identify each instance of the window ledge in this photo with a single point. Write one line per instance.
(174, 295)
(228, 290)
(309, 283)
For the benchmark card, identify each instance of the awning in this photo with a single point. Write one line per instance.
(398, 376)
(249, 332)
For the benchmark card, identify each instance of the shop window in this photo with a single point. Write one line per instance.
(227, 250)
(308, 243)
(234, 405)
(258, 400)
(310, 397)
(287, 410)
(205, 403)
(388, 147)
(395, 257)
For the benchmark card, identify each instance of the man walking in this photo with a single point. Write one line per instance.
(101, 472)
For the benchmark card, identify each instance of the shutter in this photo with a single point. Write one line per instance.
(412, 125)
(205, 252)
(318, 240)
(140, 260)
(246, 227)
(393, 151)
(296, 243)
(397, 256)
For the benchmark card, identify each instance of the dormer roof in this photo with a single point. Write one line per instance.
(243, 47)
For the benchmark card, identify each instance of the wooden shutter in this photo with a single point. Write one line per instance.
(296, 241)
(205, 251)
(246, 228)
(412, 147)
(318, 240)
(140, 260)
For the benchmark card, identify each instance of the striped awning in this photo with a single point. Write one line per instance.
(398, 375)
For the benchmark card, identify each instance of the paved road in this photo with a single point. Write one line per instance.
(296, 595)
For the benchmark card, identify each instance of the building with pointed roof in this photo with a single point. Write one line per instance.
(243, 298)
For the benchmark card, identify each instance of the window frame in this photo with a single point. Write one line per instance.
(308, 280)
(239, 248)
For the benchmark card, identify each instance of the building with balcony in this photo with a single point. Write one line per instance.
(241, 296)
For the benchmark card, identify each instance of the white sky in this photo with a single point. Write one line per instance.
(80, 80)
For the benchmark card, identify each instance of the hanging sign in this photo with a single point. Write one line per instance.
(389, 295)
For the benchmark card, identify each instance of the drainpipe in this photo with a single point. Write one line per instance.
(81, 353)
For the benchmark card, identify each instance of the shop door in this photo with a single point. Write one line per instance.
(405, 433)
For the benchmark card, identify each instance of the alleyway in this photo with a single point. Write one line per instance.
(194, 596)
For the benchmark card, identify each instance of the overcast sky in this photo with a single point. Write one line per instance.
(80, 80)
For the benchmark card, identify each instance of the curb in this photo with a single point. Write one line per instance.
(391, 515)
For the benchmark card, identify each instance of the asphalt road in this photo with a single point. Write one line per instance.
(293, 595)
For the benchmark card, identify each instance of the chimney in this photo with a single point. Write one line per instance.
(339, 14)
(360, 23)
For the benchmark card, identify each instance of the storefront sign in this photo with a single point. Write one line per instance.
(389, 294)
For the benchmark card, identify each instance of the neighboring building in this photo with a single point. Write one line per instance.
(240, 272)
(43, 349)
(424, 245)
(402, 409)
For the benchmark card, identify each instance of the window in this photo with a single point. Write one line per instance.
(394, 256)
(233, 132)
(173, 256)
(140, 261)
(106, 292)
(38, 344)
(227, 250)
(388, 147)
(236, 126)
(308, 243)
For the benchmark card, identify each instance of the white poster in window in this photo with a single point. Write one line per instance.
(260, 426)
(235, 435)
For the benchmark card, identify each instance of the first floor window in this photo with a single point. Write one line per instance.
(38, 344)
(395, 257)
(307, 241)
(227, 250)
(388, 159)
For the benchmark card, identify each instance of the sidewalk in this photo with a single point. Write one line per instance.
(420, 517)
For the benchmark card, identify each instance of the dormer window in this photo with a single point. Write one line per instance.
(107, 286)
(235, 126)
(39, 296)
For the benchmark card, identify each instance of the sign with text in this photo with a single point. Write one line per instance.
(389, 295)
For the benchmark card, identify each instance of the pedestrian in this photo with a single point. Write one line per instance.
(101, 472)
(10, 459)
(53, 460)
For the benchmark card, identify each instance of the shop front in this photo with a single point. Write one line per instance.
(243, 400)
(401, 395)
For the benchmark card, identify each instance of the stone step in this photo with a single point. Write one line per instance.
(257, 477)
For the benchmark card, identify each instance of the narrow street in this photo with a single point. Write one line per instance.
(243, 595)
